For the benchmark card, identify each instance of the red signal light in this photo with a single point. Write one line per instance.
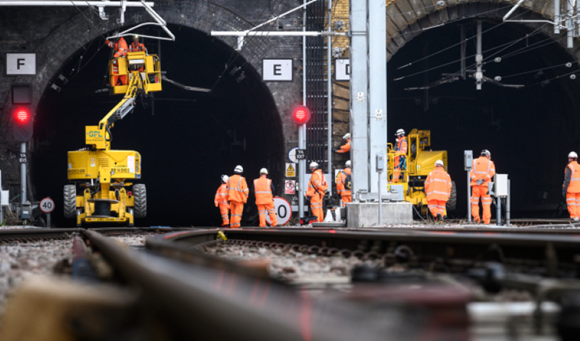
(22, 116)
(301, 115)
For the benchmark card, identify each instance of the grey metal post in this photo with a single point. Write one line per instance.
(556, 16)
(23, 174)
(468, 198)
(463, 50)
(570, 24)
(380, 202)
(329, 99)
(507, 203)
(358, 96)
(48, 220)
(377, 70)
(498, 209)
(302, 128)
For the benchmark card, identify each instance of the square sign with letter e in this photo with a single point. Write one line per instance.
(20, 64)
(277, 70)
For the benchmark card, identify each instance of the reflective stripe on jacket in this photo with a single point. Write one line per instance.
(137, 47)
(572, 178)
(263, 191)
(317, 184)
(340, 182)
(238, 189)
(438, 185)
(221, 196)
(345, 148)
(482, 168)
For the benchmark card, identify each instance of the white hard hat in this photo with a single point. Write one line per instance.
(263, 171)
(347, 164)
(225, 178)
(313, 165)
(573, 155)
(346, 136)
(400, 132)
(439, 163)
(239, 169)
(486, 152)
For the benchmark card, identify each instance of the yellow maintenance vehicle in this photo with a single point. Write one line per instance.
(100, 192)
(420, 161)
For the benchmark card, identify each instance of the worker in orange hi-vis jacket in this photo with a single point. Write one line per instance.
(400, 162)
(237, 196)
(316, 189)
(571, 187)
(345, 148)
(264, 189)
(121, 49)
(343, 185)
(481, 174)
(136, 45)
(221, 201)
(438, 190)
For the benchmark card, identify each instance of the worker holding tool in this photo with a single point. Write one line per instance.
(400, 162)
(237, 196)
(438, 190)
(221, 201)
(344, 184)
(120, 48)
(345, 148)
(316, 189)
(264, 189)
(481, 174)
(571, 187)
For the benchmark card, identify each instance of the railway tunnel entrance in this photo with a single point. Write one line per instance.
(186, 139)
(529, 130)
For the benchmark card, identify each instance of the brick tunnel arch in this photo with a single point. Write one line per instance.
(255, 139)
(529, 131)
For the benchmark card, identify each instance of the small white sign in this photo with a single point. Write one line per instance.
(292, 155)
(277, 70)
(20, 64)
(283, 211)
(47, 205)
(342, 69)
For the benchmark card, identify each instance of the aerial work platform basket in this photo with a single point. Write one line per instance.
(148, 67)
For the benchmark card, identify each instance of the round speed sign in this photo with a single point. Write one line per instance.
(47, 205)
(283, 211)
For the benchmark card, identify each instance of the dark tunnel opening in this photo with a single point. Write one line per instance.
(529, 131)
(186, 139)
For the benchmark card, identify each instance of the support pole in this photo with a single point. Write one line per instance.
(302, 129)
(329, 92)
(556, 16)
(358, 97)
(478, 59)
(23, 174)
(498, 209)
(468, 198)
(380, 202)
(570, 24)
(507, 207)
(377, 85)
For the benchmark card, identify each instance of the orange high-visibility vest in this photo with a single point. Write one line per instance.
(221, 196)
(401, 148)
(317, 183)
(344, 148)
(238, 189)
(136, 47)
(340, 185)
(263, 188)
(574, 186)
(482, 168)
(438, 185)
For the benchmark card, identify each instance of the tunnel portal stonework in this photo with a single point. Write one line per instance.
(55, 34)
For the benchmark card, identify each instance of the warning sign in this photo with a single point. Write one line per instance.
(290, 170)
(290, 187)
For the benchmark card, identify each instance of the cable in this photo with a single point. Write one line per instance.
(457, 44)
(90, 22)
(536, 70)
